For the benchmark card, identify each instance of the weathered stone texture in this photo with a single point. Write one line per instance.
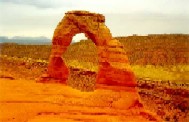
(114, 67)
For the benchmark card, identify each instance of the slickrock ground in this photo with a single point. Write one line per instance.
(28, 101)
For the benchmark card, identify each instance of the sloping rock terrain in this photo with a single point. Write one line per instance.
(28, 101)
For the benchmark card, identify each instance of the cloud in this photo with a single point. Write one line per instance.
(111, 6)
(42, 3)
(123, 17)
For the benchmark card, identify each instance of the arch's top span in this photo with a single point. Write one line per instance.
(99, 17)
(74, 22)
(114, 68)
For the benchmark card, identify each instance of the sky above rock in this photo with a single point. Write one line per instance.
(123, 17)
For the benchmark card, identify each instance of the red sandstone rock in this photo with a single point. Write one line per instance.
(114, 73)
(114, 67)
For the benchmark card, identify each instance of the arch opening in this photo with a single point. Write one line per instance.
(78, 37)
(82, 61)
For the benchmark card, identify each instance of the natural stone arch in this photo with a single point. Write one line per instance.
(114, 67)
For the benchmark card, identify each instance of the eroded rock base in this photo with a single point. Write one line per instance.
(33, 102)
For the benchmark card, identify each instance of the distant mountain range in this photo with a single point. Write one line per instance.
(41, 40)
(25, 40)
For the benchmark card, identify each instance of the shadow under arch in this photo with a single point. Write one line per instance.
(114, 67)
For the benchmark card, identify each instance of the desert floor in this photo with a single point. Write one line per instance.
(28, 101)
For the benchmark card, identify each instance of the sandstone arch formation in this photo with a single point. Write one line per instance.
(114, 67)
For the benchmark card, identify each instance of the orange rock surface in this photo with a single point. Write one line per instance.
(28, 101)
(114, 67)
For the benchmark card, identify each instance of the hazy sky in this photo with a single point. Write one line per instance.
(123, 17)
